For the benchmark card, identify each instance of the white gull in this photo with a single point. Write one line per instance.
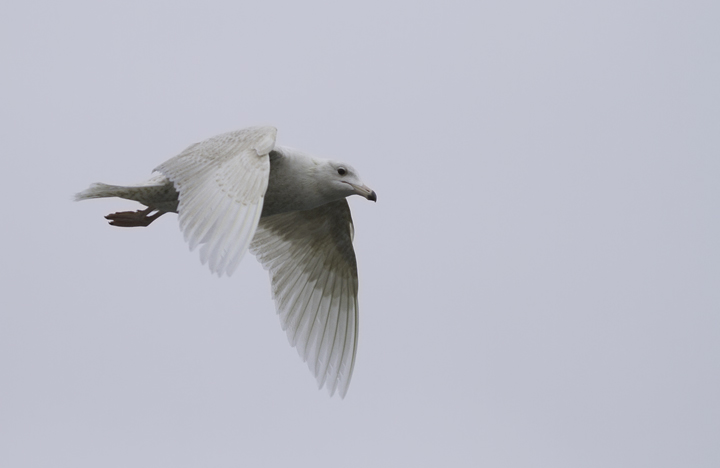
(240, 191)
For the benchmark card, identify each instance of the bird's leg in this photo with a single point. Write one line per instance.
(134, 218)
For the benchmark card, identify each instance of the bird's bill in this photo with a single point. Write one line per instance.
(365, 191)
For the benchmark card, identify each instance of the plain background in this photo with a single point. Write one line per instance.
(540, 278)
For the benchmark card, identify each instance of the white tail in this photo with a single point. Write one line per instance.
(157, 192)
(103, 191)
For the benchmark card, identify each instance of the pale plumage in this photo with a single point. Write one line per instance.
(239, 190)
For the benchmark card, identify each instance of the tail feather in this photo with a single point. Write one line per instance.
(157, 192)
(99, 190)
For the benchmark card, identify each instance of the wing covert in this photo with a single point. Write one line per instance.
(221, 184)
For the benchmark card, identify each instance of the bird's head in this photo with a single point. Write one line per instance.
(344, 181)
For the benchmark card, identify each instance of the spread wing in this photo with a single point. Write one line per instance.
(221, 184)
(313, 273)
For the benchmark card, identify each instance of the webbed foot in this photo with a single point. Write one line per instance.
(134, 218)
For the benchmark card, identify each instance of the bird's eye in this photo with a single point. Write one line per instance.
(342, 171)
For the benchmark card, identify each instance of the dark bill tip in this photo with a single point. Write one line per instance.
(372, 196)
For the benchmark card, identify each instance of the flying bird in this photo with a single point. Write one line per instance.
(240, 191)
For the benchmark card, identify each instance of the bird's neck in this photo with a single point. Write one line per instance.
(291, 185)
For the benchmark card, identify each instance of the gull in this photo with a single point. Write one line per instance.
(239, 191)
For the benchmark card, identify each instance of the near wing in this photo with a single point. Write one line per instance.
(221, 184)
(313, 272)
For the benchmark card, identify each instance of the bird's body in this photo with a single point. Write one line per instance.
(240, 191)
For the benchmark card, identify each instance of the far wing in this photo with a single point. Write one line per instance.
(313, 272)
(221, 184)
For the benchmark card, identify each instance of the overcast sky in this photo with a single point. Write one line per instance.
(539, 279)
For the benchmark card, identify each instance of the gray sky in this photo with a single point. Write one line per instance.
(539, 280)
